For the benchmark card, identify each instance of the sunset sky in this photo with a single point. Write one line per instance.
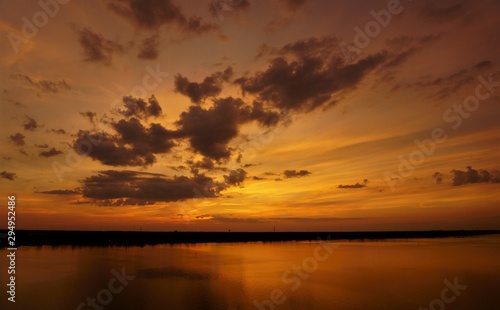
(246, 115)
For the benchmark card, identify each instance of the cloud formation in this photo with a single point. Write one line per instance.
(17, 139)
(114, 188)
(210, 87)
(30, 124)
(8, 175)
(50, 153)
(471, 176)
(43, 86)
(96, 48)
(307, 75)
(149, 47)
(139, 108)
(152, 14)
(287, 174)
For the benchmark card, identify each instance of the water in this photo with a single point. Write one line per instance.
(344, 275)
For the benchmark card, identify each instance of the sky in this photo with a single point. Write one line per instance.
(251, 115)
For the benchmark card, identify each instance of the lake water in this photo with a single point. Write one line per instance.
(435, 274)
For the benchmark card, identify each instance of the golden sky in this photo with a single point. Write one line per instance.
(246, 115)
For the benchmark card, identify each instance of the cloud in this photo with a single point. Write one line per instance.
(138, 107)
(235, 177)
(132, 145)
(438, 176)
(295, 174)
(50, 153)
(149, 48)
(152, 14)
(209, 131)
(91, 116)
(30, 124)
(112, 188)
(58, 131)
(357, 185)
(475, 176)
(210, 87)
(307, 75)
(61, 192)
(44, 86)
(96, 48)
(17, 139)
(8, 175)
(42, 146)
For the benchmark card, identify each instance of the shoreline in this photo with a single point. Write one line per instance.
(144, 238)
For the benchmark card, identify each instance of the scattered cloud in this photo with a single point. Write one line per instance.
(137, 107)
(210, 87)
(96, 48)
(30, 124)
(50, 153)
(287, 174)
(475, 176)
(17, 139)
(8, 175)
(149, 47)
(152, 14)
(357, 185)
(43, 86)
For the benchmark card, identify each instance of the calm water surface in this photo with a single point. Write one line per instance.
(296, 275)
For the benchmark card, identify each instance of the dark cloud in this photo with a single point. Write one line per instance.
(111, 188)
(258, 178)
(133, 144)
(210, 87)
(210, 130)
(96, 48)
(91, 116)
(205, 163)
(137, 107)
(44, 86)
(8, 175)
(475, 176)
(235, 177)
(152, 14)
(22, 151)
(438, 176)
(357, 185)
(58, 131)
(17, 139)
(295, 174)
(61, 192)
(42, 146)
(149, 47)
(50, 153)
(30, 124)
(306, 76)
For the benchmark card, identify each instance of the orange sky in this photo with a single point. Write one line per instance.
(251, 114)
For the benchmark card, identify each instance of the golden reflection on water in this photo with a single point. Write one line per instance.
(351, 275)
